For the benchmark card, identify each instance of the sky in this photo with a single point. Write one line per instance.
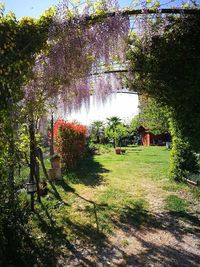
(124, 106)
(35, 8)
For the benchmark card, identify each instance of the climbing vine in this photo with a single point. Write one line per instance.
(166, 67)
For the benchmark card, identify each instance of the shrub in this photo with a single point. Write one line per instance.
(70, 141)
(183, 160)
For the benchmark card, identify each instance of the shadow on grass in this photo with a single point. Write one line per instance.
(132, 215)
(26, 250)
(186, 217)
(126, 217)
(138, 217)
(91, 244)
(133, 218)
(89, 172)
(55, 192)
(56, 248)
(59, 241)
(161, 255)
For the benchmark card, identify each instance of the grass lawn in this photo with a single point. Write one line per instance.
(119, 210)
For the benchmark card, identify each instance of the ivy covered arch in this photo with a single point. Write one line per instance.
(163, 63)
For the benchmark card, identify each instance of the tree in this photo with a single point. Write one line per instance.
(133, 129)
(97, 131)
(121, 133)
(20, 42)
(113, 122)
(165, 65)
(111, 129)
(152, 115)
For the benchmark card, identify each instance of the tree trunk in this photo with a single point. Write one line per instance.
(40, 156)
(98, 139)
(11, 154)
(11, 166)
(114, 143)
(33, 163)
(52, 135)
(37, 177)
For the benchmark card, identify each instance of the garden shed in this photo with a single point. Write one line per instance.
(148, 138)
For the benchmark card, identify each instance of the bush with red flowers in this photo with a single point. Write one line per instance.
(70, 141)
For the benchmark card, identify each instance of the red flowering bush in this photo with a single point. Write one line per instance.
(70, 141)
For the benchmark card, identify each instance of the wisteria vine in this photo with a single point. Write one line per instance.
(78, 47)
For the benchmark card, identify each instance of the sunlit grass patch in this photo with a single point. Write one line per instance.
(196, 192)
(175, 203)
(108, 194)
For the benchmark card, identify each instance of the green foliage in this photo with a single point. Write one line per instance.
(195, 177)
(114, 130)
(153, 116)
(98, 149)
(97, 132)
(183, 159)
(13, 231)
(166, 68)
(135, 124)
(196, 193)
(121, 132)
(21, 41)
(176, 204)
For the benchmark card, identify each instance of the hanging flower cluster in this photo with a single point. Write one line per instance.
(70, 141)
(82, 41)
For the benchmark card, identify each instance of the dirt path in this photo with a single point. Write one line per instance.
(172, 241)
(140, 235)
(166, 240)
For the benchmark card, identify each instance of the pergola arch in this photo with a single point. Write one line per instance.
(26, 53)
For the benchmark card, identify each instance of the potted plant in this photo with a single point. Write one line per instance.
(118, 150)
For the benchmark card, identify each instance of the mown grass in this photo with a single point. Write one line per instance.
(109, 192)
(175, 203)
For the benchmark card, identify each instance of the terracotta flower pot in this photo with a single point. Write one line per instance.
(118, 151)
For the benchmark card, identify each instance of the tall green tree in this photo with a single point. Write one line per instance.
(152, 115)
(97, 131)
(111, 129)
